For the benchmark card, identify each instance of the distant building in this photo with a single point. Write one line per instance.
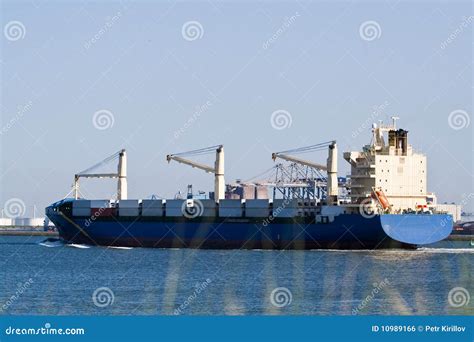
(246, 191)
(452, 209)
(5, 222)
(25, 222)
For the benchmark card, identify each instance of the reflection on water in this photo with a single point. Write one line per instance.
(161, 281)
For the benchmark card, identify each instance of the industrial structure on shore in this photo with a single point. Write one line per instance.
(21, 222)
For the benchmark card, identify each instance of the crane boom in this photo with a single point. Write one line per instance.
(299, 161)
(190, 163)
(330, 167)
(98, 175)
(217, 170)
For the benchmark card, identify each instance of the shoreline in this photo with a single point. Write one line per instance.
(460, 237)
(12, 232)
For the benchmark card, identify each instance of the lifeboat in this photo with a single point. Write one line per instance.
(380, 196)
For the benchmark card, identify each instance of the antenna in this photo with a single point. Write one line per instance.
(394, 120)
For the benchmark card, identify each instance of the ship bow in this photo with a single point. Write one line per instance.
(417, 229)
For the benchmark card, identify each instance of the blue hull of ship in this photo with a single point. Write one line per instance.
(346, 231)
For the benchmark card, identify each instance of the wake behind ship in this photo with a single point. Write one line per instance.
(383, 203)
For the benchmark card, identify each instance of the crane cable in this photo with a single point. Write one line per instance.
(311, 148)
(200, 151)
(99, 164)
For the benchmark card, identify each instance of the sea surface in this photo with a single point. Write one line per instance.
(51, 278)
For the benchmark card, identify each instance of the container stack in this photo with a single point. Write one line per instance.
(230, 208)
(257, 208)
(152, 207)
(81, 208)
(129, 208)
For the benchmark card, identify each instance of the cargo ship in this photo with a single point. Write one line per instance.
(385, 206)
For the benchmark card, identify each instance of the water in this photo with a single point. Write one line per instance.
(56, 279)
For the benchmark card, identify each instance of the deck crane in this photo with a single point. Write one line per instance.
(330, 167)
(121, 174)
(217, 170)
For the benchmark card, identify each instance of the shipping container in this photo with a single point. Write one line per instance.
(257, 203)
(128, 211)
(230, 203)
(257, 208)
(230, 208)
(257, 212)
(285, 208)
(129, 204)
(103, 212)
(81, 211)
(230, 212)
(100, 203)
(175, 208)
(209, 208)
(81, 203)
(152, 207)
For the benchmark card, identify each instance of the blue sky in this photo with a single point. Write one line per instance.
(171, 89)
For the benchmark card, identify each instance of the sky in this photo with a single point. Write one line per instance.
(82, 79)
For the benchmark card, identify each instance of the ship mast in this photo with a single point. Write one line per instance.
(121, 174)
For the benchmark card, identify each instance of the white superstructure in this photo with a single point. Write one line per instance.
(388, 167)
